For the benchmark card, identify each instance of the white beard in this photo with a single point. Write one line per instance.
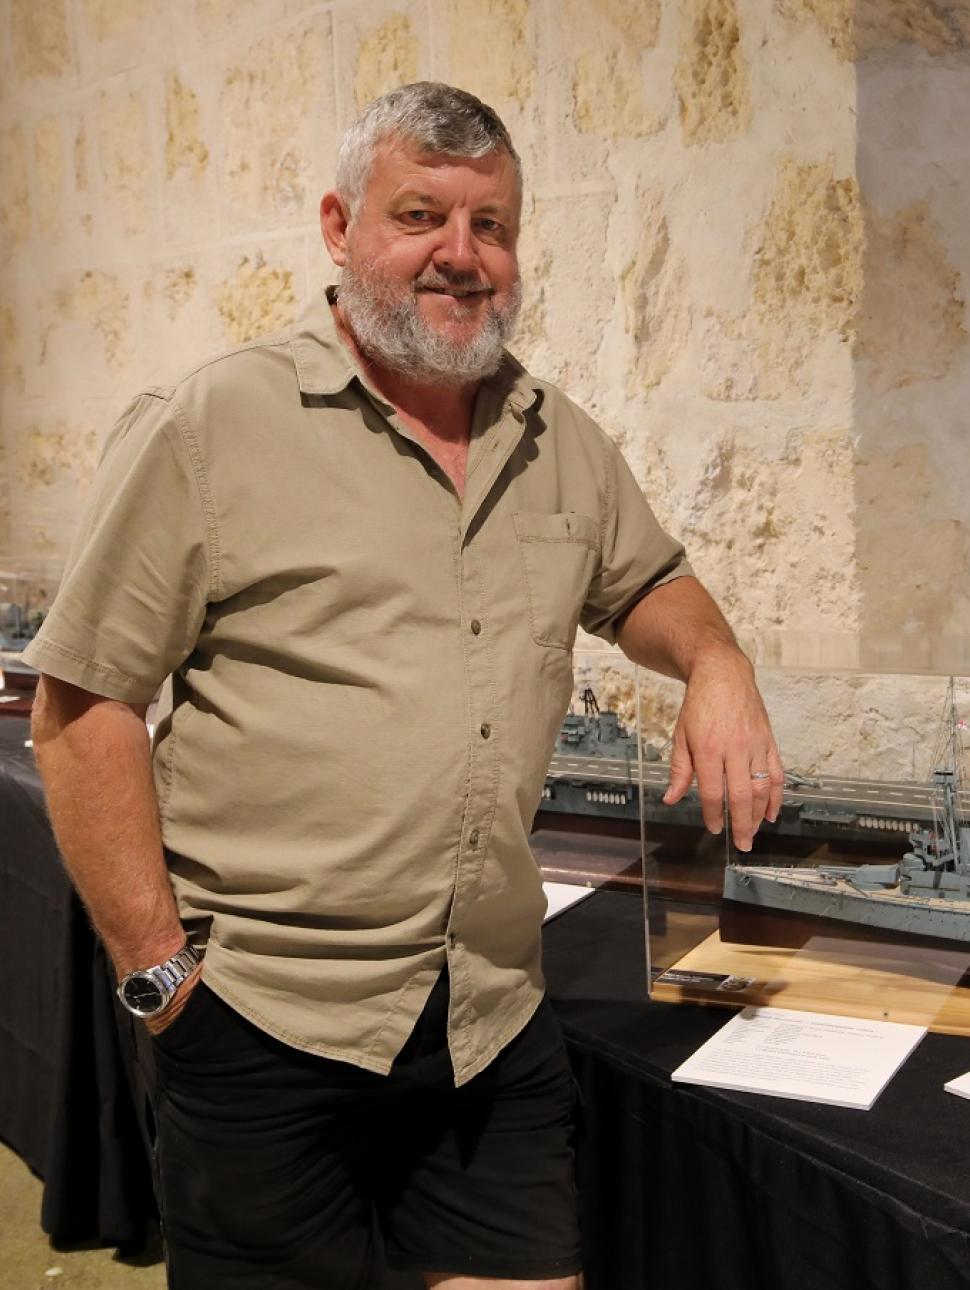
(390, 329)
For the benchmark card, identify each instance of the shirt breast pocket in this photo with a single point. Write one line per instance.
(558, 554)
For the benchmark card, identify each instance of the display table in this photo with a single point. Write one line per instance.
(684, 1186)
(65, 1103)
(680, 1187)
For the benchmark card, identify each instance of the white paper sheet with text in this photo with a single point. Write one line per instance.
(844, 1061)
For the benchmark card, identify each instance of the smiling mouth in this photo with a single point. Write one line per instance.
(458, 292)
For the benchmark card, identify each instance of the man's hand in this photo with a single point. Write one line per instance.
(157, 1025)
(723, 730)
(723, 733)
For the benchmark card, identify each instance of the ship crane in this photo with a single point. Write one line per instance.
(590, 705)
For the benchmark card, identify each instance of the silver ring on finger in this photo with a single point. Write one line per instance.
(760, 774)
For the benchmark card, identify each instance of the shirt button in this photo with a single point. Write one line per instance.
(475, 626)
(486, 730)
(452, 940)
(473, 838)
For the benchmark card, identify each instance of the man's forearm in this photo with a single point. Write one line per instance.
(94, 758)
(675, 627)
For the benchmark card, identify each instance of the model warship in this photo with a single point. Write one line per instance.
(594, 771)
(922, 899)
(596, 766)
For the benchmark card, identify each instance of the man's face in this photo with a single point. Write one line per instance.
(431, 280)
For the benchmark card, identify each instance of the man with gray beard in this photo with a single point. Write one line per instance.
(361, 550)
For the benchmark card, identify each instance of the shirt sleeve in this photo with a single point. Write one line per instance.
(133, 597)
(636, 553)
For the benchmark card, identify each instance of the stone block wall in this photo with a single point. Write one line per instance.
(746, 252)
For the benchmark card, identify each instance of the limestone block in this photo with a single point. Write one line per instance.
(913, 551)
(732, 358)
(833, 723)
(569, 297)
(503, 29)
(656, 296)
(56, 454)
(88, 326)
(806, 285)
(14, 192)
(207, 21)
(859, 726)
(258, 297)
(912, 312)
(276, 108)
(80, 157)
(712, 76)
(388, 56)
(609, 79)
(49, 173)
(50, 460)
(749, 505)
(193, 155)
(184, 145)
(535, 266)
(40, 41)
(106, 19)
(11, 350)
(116, 35)
(125, 156)
(856, 28)
(177, 287)
(174, 309)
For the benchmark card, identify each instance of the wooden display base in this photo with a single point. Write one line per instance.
(843, 979)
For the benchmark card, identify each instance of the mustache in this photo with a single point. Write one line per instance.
(444, 280)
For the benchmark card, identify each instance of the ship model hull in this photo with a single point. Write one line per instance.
(785, 908)
(923, 899)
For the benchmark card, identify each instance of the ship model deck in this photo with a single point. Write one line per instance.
(595, 771)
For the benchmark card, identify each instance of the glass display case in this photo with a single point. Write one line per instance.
(857, 900)
(587, 830)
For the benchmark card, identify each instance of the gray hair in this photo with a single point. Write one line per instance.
(438, 119)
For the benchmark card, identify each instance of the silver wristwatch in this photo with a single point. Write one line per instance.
(148, 991)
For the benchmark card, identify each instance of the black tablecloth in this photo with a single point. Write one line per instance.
(680, 1186)
(684, 1186)
(65, 1103)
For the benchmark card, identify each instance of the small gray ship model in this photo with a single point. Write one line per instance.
(595, 766)
(923, 899)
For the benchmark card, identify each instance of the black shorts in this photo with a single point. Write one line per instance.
(280, 1170)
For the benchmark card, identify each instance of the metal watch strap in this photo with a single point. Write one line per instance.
(178, 967)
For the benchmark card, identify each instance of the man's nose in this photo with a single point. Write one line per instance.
(456, 249)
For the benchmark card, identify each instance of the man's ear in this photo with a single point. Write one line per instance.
(334, 222)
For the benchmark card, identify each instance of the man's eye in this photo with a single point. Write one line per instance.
(418, 217)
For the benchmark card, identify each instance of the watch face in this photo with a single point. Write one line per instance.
(142, 995)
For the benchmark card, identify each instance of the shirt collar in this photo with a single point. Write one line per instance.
(324, 365)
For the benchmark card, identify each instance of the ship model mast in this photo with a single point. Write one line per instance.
(946, 847)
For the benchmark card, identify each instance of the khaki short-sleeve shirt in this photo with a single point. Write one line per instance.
(368, 676)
